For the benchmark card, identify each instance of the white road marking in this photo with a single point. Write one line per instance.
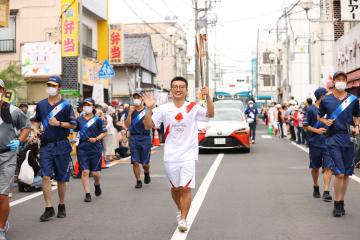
(27, 198)
(301, 147)
(266, 136)
(199, 198)
(34, 195)
(353, 177)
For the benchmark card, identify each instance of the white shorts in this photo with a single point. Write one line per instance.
(181, 174)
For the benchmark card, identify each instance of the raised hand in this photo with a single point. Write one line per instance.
(148, 99)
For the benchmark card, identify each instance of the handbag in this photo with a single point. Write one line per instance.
(26, 174)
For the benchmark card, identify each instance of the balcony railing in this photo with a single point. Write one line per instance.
(7, 46)
(89, 52)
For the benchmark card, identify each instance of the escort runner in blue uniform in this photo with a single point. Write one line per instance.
(140, 140)
(341, 110)
(318, 152)
(12, 120)
(252, 113)
(57, 118)
(91, 129)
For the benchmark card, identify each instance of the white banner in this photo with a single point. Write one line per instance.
(41, 59)
(98, 92)
(350, 10)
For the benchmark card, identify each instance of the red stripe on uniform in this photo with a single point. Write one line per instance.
(190, 107)
(187, 185)
(167, 131)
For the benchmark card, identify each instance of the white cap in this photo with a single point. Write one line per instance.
(2, 84)
(250, 102)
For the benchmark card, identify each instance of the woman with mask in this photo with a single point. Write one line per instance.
(341, 110)
(140, 140)
(91, 131)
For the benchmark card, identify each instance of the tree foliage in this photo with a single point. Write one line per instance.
(12, 76)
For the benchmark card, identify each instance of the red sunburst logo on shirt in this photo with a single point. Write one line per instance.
(179, 117)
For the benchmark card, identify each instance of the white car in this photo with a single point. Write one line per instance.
(235, 104)
(227, 130)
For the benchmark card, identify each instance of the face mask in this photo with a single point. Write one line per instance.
(121, 110)
(137, 102)
(88, 109)
(1, 95)
(251, 105)
(51, 91)
(341, 86)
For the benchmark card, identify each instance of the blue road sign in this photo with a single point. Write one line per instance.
(106, 70)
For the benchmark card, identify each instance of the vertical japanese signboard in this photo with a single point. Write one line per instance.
(115, 44)
(70, 28)
(350, 10)
(4, 13)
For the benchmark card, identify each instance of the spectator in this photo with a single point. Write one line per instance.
(111, 139)
(24, 108)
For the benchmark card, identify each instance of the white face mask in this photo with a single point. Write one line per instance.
(88, 109)
(251, 105)
(1, 95)
(137, 102)
(121, 110)
(51, 91)
(341, 86)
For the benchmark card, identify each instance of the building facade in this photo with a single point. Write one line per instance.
(170, 48)
(35, 34)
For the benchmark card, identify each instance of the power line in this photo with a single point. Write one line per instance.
(251, 18)
(172, 12)
(147, 24)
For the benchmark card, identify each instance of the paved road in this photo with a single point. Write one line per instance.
(266, 194)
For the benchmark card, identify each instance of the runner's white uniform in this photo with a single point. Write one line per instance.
(181, 140)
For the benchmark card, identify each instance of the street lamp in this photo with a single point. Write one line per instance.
(306, 4)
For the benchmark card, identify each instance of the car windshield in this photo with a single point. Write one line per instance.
(229, 104)
(228, 115)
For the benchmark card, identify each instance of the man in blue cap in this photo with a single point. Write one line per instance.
(140, 140)
(318, 152)
(57, 118)
(12, 119)
(341, 110)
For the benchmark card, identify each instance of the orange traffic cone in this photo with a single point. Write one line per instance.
(156, 140)
(77, 169)
(103, 164)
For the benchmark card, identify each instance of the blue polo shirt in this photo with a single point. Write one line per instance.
(251, 113)
(93, 131)
(327, 106)
(310, 119)
(137, 128)
(54, 133)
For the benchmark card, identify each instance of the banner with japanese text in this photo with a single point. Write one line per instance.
(70, 28)
(115, 44)
(4, 13)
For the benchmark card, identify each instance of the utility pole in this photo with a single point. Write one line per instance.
(257, 65)
(287, 88)
(80, 50)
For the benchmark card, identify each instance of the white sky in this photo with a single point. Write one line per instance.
(236, 30)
